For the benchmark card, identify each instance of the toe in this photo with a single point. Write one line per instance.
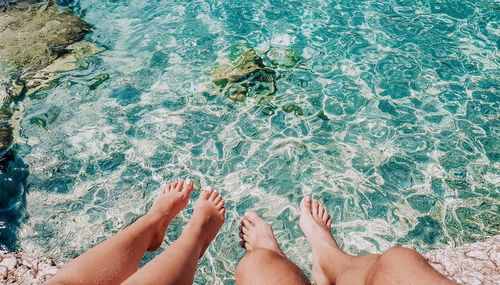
(315, 206)
(305, 205)
(205, 194)
(244, 229)
(217, 199)
(252, 217)
(222, 211)
(329, 223)
(321, 211)
(243, 244)
(167, 188)
(220, 204)
(178, 187)
(214, 196)
(246, 223)
(188, 186)
(325, 217)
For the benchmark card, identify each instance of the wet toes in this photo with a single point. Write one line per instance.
(178, 186)
(243, 244)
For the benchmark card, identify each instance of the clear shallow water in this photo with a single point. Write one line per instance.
(409, 156)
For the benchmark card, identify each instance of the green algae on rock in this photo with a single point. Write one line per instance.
(292, 108)
(321, 115)
(243, 74)
(99, 79)
(34, 35)
(39, 39)
(5, 137)
(43, 78)
(281, 57)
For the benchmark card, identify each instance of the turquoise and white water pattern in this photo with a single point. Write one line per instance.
(407, 152)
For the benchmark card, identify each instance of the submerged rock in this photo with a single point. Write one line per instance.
(293, 108)
(243, 74)
(39, 40)
(35, 35)
(281, 57)
(99, 79)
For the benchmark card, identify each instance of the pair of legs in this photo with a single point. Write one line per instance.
(116, 260)
(265, 263)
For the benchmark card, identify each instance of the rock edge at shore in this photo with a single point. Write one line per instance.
(475, 263)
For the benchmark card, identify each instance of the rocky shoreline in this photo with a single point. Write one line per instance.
(475, 263)
(40, 39)
(21, 268)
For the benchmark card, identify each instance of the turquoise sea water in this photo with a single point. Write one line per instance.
(409, 155)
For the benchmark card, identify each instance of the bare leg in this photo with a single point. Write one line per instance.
(264, 262)
(177, 264)
(115, 259)
(333, 266)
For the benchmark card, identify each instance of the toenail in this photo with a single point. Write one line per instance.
(188, 181)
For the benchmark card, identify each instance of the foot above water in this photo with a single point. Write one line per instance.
(172, 198)
(256, 233)
(208, 217)
(316, 224)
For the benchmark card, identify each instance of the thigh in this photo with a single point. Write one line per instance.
(404, 266)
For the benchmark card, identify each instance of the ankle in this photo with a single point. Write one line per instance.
(155, 219)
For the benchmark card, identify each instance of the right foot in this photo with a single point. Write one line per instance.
(170, 201)
(208, 217)
(316, 224)
(256, 233)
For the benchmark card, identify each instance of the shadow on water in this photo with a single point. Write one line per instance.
(13, 177)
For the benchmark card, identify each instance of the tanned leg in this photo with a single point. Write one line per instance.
(264, 262)
(333, 266)
(177, 264)
(115, 259)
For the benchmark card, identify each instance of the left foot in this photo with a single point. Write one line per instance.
(170, 201)
(256, 233)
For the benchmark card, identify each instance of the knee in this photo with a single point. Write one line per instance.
(400, 254)
(254, 259)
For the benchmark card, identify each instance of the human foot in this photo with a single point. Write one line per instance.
(208, 217)
(256, 233)
(172, 198)
(316, 224)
